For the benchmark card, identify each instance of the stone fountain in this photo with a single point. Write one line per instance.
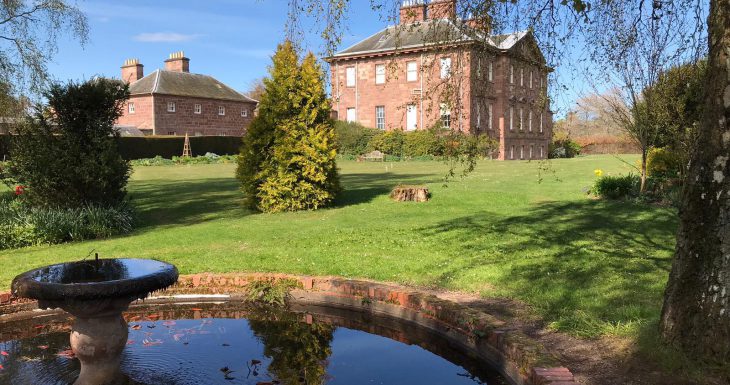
(96, 292)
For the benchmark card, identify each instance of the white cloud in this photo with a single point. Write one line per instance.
(163, 37)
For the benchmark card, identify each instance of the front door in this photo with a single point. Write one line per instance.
(411, 117)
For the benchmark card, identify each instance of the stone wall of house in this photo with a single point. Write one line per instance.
(143, 115)
(398, 92)
(184, 119)
(470, 69)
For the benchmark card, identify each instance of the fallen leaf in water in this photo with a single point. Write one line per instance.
(42, 347)
(136, 327)
(255, 362)
(151, 342)
(151, 326)
(169, 323)
(4, 353)
(225, 369)
(178, 336)
(130, 342)
(226, 345)
(66, 354)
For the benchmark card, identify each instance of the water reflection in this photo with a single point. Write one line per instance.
(233, 344)
(98, 270)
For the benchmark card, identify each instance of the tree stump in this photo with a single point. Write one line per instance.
(410, 193)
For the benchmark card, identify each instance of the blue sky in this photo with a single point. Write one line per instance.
(231, 40)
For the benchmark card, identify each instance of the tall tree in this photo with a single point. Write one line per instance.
(288, 157)
(696, 312)
(29, 33)
(273, 108)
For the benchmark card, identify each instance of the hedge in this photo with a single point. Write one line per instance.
(141, 147)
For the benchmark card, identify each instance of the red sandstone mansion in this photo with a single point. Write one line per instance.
(174, 101)
(434, 67)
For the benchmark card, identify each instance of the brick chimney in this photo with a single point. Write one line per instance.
(132, 71)
(412, 11)
(441, 9)
(177, 62)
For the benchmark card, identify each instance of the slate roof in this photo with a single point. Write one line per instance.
(185, 84)
(426, 33)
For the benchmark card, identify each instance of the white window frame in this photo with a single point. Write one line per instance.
(490, 116)
(491, 72)
(350, 76)
(380, 74)
(511, 74)
(512, 152)
(532, 150)
(542, 152)
(479, 115)
(445, 116)
(541, 122)
(522, 151)
(354, 114)
(171, 106)
(380, 117)
(522, 110)
(445, 67)
(412, 71)
(531, 72)
(131, 107)
(198, 109)
(221, 111)
(511, 118)
(479, 67)
(244, 112)
(529, 119)
(522, 76)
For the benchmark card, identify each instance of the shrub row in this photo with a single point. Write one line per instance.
(354, 139)
(208, 158)
(22, 226)
(132, 147)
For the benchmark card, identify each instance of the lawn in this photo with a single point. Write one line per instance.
(589, 267)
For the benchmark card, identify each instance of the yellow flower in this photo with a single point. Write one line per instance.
(598, 172)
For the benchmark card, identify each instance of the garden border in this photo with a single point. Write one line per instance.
(518, 357)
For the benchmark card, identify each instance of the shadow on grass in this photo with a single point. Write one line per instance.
(364, 187)
(587, 266)
(162, 202)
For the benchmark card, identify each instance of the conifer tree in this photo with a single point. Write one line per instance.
(288, 157)
(273, 107)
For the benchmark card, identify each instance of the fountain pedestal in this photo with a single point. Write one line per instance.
(98, 343)
(96, 293)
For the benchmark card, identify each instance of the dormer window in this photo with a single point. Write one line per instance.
(221, 111)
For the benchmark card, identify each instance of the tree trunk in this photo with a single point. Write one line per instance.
(642, 188)
(696, 312)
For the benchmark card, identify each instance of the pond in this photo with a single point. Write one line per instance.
(234, 343)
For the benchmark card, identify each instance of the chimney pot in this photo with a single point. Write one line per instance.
(412, 11)
(177, 62)
(132, 71)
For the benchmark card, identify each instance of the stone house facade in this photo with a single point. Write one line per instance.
(434, 68)
(174, 101)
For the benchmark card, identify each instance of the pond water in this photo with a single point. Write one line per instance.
(231, 344)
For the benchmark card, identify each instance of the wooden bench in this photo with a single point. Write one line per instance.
(374, 156)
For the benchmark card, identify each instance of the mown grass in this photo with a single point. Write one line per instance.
(589, 267)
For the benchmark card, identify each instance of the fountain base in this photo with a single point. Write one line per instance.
(98, 343)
